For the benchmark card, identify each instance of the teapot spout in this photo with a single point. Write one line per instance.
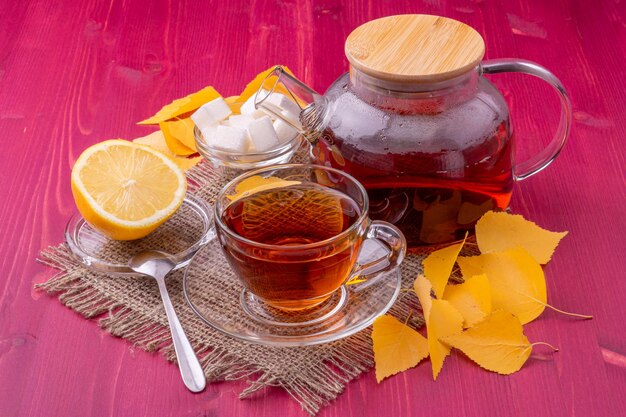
(289, 99)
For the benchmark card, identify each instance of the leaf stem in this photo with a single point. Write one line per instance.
(582, 316)
(544, 344)
(408, 317)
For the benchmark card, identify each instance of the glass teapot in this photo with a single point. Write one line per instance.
(415, 121)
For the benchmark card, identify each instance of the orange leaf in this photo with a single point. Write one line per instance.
(257, 183)
(183, 105)
(444, 320)
(187, 163)
(497, 343)
(438, 266)
(499, 231)
(397, 347)
(179, 135)
(516, 279)
(472, 299)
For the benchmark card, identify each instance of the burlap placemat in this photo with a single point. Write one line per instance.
(131, 308)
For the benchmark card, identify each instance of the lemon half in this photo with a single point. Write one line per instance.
(126, 190)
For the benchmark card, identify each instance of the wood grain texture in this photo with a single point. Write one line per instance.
(75, 73)
(414, 48)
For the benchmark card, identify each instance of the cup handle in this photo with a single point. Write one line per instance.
(538, 162)
(391, 237)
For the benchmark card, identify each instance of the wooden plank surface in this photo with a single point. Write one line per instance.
(74, 73)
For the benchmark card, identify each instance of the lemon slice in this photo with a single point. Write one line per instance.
(126, 190)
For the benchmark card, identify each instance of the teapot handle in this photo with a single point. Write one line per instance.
(538, 162)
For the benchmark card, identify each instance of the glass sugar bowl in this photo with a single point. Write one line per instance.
(247, 160)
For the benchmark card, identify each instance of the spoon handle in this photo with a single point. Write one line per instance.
(190, 368)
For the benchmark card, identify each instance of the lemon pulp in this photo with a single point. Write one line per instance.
(126, 190)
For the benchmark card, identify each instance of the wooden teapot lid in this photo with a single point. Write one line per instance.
(414, 48)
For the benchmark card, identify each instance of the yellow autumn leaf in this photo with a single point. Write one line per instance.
(183, 105)
(516, 279)
(469, 212)
(472, 299)
(441, 319)
(499, 231)
(439, 218)
(444, 320)
(179, 135)
(156, 140)
(497, 343)
(187, 163)
(422, 288)
(397, 347)
(438, 266)
(257, 183)
(355, 280)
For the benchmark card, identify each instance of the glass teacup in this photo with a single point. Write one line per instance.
(292, 234)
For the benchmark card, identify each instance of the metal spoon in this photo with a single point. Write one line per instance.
(157, 264)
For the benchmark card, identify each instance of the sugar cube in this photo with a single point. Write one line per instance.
(284, 131)
(229, 138)
(208, 133)
(257, 114)
(238, 120)
(211, 113)
(262, 134)
(248, 108)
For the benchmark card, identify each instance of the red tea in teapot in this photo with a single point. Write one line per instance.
(434, 185)
(430, 209)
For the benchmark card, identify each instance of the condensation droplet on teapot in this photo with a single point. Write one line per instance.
(359, 119)
(335, 122)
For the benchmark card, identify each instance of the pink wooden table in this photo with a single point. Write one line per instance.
(73, 73)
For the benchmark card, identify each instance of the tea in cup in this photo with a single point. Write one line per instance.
(292, 233)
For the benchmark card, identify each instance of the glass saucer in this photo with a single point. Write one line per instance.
(219, 299)
(181, 235)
